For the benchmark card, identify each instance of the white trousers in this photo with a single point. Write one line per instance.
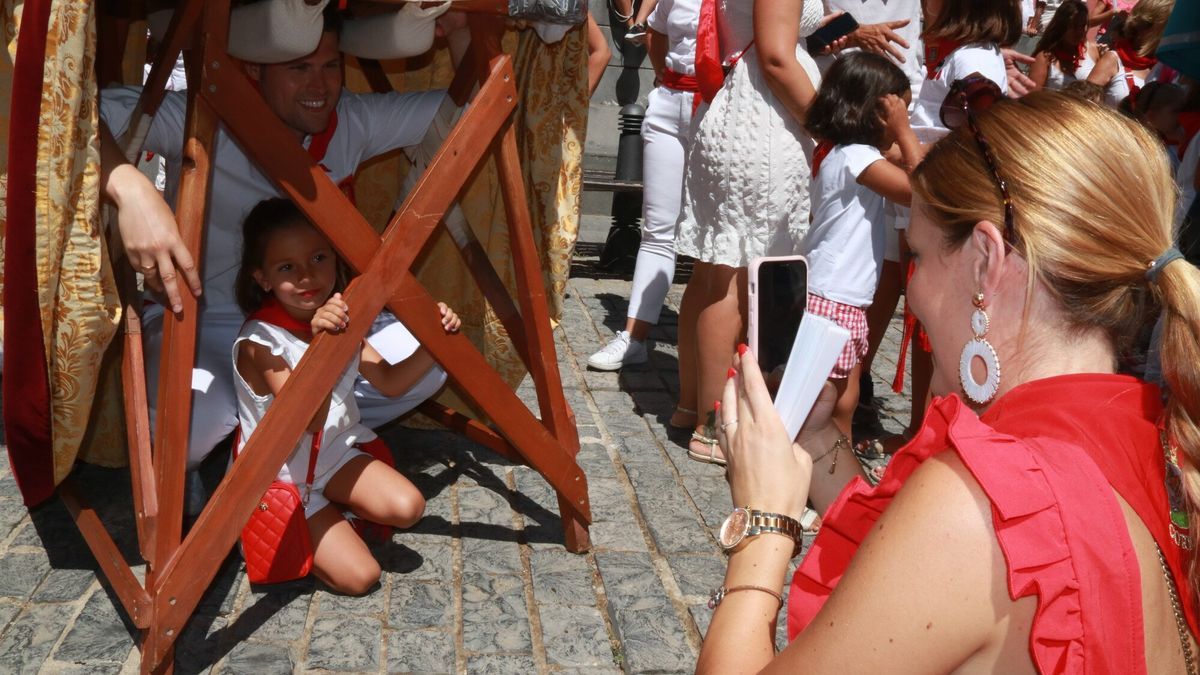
(214, 397)
(666, 132)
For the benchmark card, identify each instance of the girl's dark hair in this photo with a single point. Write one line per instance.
(847, 106)
(264, 220)
(972, 21)
(1067, 14)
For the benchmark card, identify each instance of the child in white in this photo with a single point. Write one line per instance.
(287, 285)
(859, 114)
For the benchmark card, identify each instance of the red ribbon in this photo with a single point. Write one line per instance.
(819, 154)
(681, 82)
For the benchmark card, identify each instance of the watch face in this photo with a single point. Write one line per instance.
(734, 528)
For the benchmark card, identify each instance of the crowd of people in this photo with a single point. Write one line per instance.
(1036, 512)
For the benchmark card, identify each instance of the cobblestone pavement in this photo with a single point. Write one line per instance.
(482, 585)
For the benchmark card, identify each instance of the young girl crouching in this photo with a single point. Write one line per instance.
(859, 114)
(288, 285)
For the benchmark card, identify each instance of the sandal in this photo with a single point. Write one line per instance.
(877, 448)
(711, 456)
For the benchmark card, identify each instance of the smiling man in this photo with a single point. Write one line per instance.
(340, 130)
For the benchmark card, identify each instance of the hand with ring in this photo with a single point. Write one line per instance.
(766, 470)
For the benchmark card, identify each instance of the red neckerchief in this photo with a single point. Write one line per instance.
(819, 154)
(936, 52)
(272, 312)
(709, 73)
(1069, 60)
(319, 145)
(1131, 59)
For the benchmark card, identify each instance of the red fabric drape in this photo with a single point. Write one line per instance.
(27, 426)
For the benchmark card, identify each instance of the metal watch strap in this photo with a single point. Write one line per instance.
(762, 522)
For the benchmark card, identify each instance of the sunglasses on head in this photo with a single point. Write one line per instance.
(976, 93)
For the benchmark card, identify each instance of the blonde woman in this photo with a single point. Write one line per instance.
(1124, 70)
(1036, 523)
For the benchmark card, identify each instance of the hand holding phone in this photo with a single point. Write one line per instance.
(778, 294)
(837, 28)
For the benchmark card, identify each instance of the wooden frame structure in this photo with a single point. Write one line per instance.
(180, 569)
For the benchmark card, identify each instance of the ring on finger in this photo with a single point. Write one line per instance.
(728, 424)
(148, 268)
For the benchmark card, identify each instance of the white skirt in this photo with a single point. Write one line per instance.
(746, 189)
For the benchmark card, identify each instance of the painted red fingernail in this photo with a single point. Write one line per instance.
(717, 406)
(742, 349)
(731, 373)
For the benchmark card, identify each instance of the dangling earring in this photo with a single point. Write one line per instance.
(979, 392)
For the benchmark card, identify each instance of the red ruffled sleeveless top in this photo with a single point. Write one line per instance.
(1048, 455)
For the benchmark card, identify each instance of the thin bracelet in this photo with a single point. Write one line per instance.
(835, 450)
(718, 595)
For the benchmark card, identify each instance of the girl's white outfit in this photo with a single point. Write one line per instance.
(845, 247)
(666, 133)
(746, 189)
(343, 427)
(981, 58)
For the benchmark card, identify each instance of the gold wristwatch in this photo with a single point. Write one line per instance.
(745, 522)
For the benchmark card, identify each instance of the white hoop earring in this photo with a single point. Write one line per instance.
(979, 392)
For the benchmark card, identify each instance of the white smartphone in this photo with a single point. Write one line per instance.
(778, 295)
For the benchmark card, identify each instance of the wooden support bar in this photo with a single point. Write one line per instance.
(116, 569)
(376, 78)
(137, 427)
(473, 430)
(183, 27)
(543, 365)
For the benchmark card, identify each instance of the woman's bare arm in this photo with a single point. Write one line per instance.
(776, 33)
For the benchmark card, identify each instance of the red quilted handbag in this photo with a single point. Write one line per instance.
(275, 541)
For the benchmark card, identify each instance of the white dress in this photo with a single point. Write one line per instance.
(746, 189)
(343, 429)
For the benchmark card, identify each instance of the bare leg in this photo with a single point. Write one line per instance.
(643, 12)
(340, 557)
(882, 309)
(638, 329)
(847, 399)
(377, 492)
(689, 311)
(720, 325)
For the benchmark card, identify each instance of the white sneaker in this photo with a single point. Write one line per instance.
(621, 351)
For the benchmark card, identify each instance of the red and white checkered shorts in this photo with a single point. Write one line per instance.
(853, 319)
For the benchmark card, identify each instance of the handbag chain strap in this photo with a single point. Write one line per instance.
(1185, 642)
(312, 466)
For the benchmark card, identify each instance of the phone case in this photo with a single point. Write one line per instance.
(753, 290)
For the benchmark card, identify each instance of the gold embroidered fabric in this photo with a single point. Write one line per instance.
(78, 303)
(551, 122)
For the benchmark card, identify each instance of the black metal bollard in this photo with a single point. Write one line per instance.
(625, 234)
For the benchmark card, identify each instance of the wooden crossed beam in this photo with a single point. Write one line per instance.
(179, 571)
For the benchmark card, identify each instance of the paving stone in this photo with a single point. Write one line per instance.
(575, 636)
(64, 585)
(196, 651)
(370, 604)
(12, 511)
(711, 496)
(697, 575)
(494, 614)
(99, 633)
(425, 562)
(561, 578)
(630, 581)
(20, 573)
(344, 643)
(417, 606)
(500, 664)
(490, 556)
(29, 638)
(8, 609)
(654, 640)
(609, 500)
(482, 505)
(702, 617)
(420, 651)
(260, 658)
(279, 616)
(618, 536)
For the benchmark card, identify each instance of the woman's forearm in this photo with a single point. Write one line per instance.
(741, 637)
